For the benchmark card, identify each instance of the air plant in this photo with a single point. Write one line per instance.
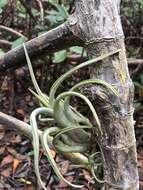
(73, 130)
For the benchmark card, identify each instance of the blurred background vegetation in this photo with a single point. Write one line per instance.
(26, 19)
(22, 20)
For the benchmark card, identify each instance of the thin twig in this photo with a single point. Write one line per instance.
(5, 42)
(26, 129)
(12, 31)
(137, 71)
(16, 124)
(41, 11)
(132, 61)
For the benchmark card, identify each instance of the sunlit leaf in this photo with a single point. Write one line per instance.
(1, 52)
(59, 56)
(18, 42)
(3, 3)
(78, 50)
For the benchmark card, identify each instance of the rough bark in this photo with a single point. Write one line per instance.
(52, 41)
(97, 24)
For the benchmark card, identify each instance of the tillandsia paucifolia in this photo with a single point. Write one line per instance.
(74, 130)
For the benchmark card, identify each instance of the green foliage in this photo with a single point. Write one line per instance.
(133, 11)
(18, 42)
(141, 3)
(76, 49)
(3, 3)
(1, 52)
(59, 56)
(55, 13)
(21, 9)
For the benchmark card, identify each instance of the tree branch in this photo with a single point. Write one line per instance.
(132, 61)
(54, 40)
(26, 129)
(16, 124)
(11, 30)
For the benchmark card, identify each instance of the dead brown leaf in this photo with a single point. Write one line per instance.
(87, 176)
(141, 184)
(62, 184)
(11, 150)
(7, 160)
(20, 112)
(5, 85)
(29, 188)
(5, 173)
(28, 98)
(2, 149)
(53, 153)
(16, 162)
(16, 139)
(64, 167)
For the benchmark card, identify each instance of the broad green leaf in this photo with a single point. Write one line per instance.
(22, 15)
(18, 42)
(1, 52)
(57, 15)
(35, 12)
(42, 32)
(141, 3)
(51, 12)
(20, 7)
(59, 56)
(3, 3)
(78, 50)
(52, 19)
(62, 11)
(59, 19)
(53, 1)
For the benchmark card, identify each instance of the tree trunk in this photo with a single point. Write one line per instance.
(97, 24)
